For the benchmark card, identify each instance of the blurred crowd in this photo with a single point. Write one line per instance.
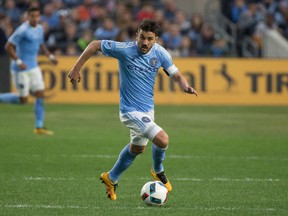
(254, 17)
(70, 25)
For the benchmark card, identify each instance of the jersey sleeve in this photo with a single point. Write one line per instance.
(167, 63)
(112, 48)
(15, 38)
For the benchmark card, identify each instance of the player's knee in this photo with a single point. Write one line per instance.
(39, 94)
(161, 140)
(137, 149)
(165, 141)
(23, 100)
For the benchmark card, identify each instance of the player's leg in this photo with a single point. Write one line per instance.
(21, 82)
(137, 144)
(159, 146)
(144, 125)
(9, 97)
(127, 155)
(39, 110)
(160, 141)
(37, 88)
(125, 159)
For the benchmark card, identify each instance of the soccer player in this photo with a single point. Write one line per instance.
(139, 62)
(22, 47)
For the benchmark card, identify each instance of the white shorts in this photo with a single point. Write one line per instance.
(27, 81)
(142, 126)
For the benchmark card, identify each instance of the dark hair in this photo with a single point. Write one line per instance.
(149, 25)
(32, 9)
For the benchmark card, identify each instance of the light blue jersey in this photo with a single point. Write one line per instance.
(27, 40)
(138, 72)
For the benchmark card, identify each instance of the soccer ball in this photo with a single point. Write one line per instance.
(154, 193)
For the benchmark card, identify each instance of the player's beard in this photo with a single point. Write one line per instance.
(144, 49)
(33, 23)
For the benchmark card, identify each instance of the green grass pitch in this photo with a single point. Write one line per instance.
(222, 160)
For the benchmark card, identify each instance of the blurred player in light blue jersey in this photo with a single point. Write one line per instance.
(23, 47)
(139, 62)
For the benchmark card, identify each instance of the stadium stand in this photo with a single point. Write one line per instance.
(237, 29)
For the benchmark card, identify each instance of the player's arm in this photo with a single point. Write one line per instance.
(47, 53)
(183, 84)
(90, 50)
(172, 71)
(11, 50)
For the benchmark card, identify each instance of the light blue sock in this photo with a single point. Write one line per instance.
(39, 112)
(9, 98)
(125, 159)
(158, 155)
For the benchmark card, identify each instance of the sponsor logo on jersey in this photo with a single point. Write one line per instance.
(140, 69)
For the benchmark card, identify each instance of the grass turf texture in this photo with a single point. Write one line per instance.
(221, 161)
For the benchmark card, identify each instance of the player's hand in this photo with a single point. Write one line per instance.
(190, 90)
(22, 66)
(53, 59)
(74, 76)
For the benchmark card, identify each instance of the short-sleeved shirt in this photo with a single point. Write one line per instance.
(27, 40)
(137, 72)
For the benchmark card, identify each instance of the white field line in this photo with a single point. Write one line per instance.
(247, 180)
(225, 158)
(216, 208)
(175, 179)
(49, 206)
(58, 179)
(193, 157)
(231, 180)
